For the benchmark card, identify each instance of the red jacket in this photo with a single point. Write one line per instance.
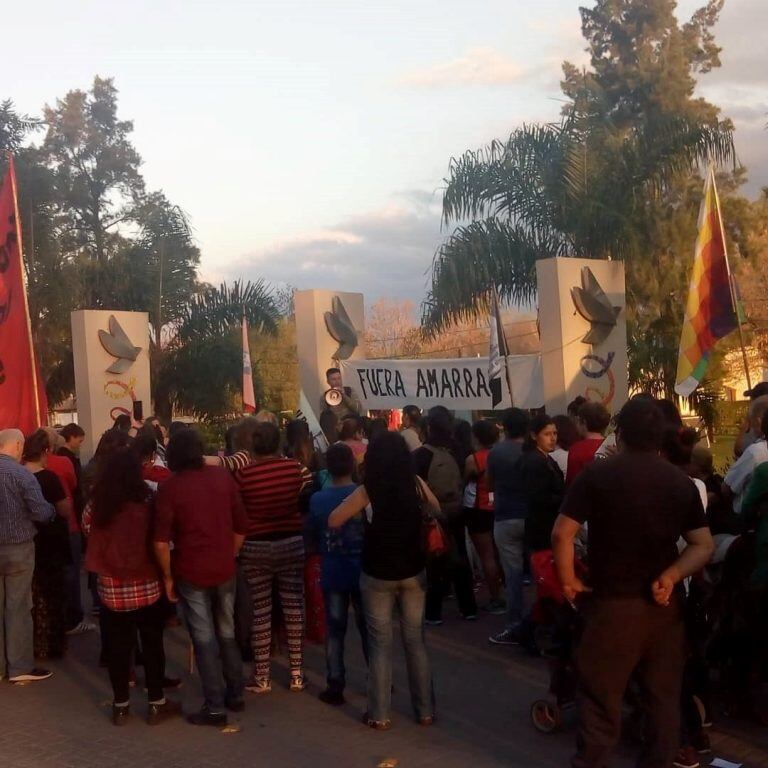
(123, 550)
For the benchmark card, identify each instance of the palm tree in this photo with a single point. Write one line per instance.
(575, 188)
(199, 367)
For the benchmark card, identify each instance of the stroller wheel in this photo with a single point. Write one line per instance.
(545, 716)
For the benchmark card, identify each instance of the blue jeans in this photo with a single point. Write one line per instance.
(509, 536)
(17, 564)
(379, 600)
(336, 616)
(210, 617)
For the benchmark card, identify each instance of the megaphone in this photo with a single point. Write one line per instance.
(333, 397)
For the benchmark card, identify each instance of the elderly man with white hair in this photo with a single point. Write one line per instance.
(21, 506)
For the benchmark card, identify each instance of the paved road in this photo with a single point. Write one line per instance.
(483, 691)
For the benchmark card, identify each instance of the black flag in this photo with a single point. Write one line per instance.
(497, 354)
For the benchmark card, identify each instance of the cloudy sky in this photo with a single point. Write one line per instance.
(308, 140)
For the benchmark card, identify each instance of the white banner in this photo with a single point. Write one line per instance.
(459, 384)
(306, 413)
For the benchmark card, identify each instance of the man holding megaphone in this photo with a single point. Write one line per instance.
(341, 400)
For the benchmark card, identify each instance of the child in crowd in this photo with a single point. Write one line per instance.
(341, 550)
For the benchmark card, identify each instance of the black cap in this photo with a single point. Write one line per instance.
(757, 391)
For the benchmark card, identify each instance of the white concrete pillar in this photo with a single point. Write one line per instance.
(103, 394)
(595, 367)
(315, 347)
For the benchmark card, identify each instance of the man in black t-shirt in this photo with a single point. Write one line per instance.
(637, 506)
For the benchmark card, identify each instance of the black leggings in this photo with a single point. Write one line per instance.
(120, 629)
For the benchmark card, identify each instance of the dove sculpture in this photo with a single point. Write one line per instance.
(341, 329)
(595, 307)
(117, 344)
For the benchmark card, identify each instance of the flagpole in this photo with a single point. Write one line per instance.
(731, 283)
(506, 367)
(14, 191)
(500, 327)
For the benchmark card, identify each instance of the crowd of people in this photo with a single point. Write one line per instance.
(275, 541)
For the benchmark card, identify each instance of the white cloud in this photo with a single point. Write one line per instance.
(478, 66)
(740, 85)
(383, 253)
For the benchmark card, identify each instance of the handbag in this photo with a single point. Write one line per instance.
(434, 540)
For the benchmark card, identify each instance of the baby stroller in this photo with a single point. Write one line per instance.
(555, 625)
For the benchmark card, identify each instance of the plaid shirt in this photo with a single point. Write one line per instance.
(123, 594)
(127, 595)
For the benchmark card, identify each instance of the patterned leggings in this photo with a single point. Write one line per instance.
(275, 563)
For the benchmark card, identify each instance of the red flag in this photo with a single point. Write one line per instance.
(249, 399)
(22, 397)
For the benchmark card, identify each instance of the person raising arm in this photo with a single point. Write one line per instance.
(358, 500)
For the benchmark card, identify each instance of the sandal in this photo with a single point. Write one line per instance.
(377, 725)
(298, 683)
(428, 720)
(259, 685)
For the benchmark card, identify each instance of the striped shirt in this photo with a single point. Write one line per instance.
(236, 460)
(270, 489)
(21, 503)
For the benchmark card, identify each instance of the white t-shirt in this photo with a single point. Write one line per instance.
(740, 473)
(560, 455)
(702, 489)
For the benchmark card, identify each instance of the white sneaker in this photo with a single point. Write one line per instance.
(81, 628)
(31, 676)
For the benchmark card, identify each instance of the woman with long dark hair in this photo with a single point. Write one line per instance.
(543, 482)
(119, 521)
(393, 563)
(52, 554)
(110, 441)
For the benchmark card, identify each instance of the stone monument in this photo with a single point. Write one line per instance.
(111, 353)
(329, 328)
(583, 327)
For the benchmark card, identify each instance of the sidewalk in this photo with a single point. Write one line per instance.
(483, 692)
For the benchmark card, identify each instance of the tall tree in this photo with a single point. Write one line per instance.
(644, 66)
(613, 180)
(95, 166)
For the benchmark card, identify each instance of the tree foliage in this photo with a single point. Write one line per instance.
(616, 178)
(95, 237)
(95, 168)
(200, 368)
(555, 190)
